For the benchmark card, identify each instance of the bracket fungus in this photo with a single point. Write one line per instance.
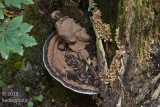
(69, 57)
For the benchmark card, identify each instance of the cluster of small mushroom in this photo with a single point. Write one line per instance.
(102, 29)
(146, 52)
(104, 32)
(116, 62)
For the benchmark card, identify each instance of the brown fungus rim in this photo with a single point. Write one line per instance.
(51, 72)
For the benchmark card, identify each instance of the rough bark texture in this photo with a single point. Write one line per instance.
(138, 21)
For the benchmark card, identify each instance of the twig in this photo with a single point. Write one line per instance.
(102, 63)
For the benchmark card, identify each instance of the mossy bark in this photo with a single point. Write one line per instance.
(138, 21)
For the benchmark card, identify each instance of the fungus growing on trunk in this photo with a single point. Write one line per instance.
(65, 66)
(69, 57)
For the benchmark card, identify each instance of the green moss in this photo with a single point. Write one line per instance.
(59, 93)
(142, 25)
(43, 27)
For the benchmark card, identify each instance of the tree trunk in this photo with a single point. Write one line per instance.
(138, 77)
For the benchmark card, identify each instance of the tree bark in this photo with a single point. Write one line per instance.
(137, 79)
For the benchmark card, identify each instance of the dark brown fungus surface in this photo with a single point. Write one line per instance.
(65, 66)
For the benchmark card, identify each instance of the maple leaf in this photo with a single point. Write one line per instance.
(17, 3)
(14, 35)
(1, 11)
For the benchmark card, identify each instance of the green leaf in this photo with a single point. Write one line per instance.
(15, 22)
(7, 2)
(3, 49)
(17, 3)
(40, 98)
(1, 14)
(89, 8)
(3, 26)
(24, 27)
(13, 36)
(1, 5)
(35, 97)
(30, 104)
(2, 83)
(13, 43)
(43, 87)
(27, 2)
(28, 40)
(27, 89)
(20, 65)
(93, 4)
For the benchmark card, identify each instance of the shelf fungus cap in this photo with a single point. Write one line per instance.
(66, 67)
